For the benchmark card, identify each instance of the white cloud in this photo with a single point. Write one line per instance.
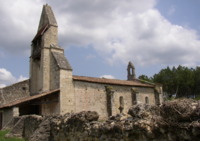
(118, 30)
(107, 76)
(128, 32)
(19, 21)
(6, 78)
(21, 78)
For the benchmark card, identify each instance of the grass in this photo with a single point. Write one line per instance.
(3, 138)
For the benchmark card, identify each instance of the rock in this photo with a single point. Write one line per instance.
(144, 122)
(143, 111)
(17, 130)
(82, 117)
(91, 116)
(31, 123)
(180, 110)
(25, 126)
(43, 132)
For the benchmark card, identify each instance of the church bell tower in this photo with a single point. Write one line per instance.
(131, 71)
(44, 52)
(49, 68)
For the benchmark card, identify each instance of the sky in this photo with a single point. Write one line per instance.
(100, 37)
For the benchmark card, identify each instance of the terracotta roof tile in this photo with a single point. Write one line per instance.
(135, 82)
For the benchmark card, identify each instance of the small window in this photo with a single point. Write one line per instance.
(146, 100)
(121, 104)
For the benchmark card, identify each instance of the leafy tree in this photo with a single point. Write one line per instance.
(145, 78)
(179, 81)
(197, 82)
(165, 77)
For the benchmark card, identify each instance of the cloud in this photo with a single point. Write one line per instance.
(107, 76)
(6, 78)
(19, 21)
(21, 78)
(119, 31)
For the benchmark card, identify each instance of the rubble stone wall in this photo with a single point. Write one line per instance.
(14, 92)
(7, 116)
(144, 123)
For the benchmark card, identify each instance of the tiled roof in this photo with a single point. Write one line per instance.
(26, 99)
(135, 82)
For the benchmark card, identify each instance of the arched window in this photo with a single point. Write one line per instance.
(146, 100)
(121, 104)
(134, 100)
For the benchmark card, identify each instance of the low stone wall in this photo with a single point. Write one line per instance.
(177, 120)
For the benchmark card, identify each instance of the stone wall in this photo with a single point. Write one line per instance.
(50, 106)
(44, 79)
(144, 123)
(67, 97)
(14, 92)
(92, 96)
(7, 117)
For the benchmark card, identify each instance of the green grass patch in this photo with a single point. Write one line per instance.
(3, 138)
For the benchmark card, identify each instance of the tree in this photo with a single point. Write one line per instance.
(145, 78)
(177, 81)
(167, 78)
(197, 82)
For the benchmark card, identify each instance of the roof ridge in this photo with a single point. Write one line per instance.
(112, 81)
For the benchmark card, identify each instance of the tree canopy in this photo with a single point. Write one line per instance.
(180, 81)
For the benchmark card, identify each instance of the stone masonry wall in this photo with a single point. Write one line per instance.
(144, 123)
(44, 79)
(67, 99)
(14, 92)
(91, 96)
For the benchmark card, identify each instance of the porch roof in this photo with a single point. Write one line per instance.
(26, 99)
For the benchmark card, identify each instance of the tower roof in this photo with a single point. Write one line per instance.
(47, 17)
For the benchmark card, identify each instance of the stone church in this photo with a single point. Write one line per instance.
(52, 89)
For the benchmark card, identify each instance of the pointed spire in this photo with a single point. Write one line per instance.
(47, 17)
(131, 71)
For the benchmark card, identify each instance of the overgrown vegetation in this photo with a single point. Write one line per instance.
(178, 81)
(3, 138)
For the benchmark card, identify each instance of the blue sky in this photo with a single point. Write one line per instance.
(100, 36)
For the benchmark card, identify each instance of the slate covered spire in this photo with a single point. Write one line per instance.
(131, 71)
(47, 33)
(47, 17)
